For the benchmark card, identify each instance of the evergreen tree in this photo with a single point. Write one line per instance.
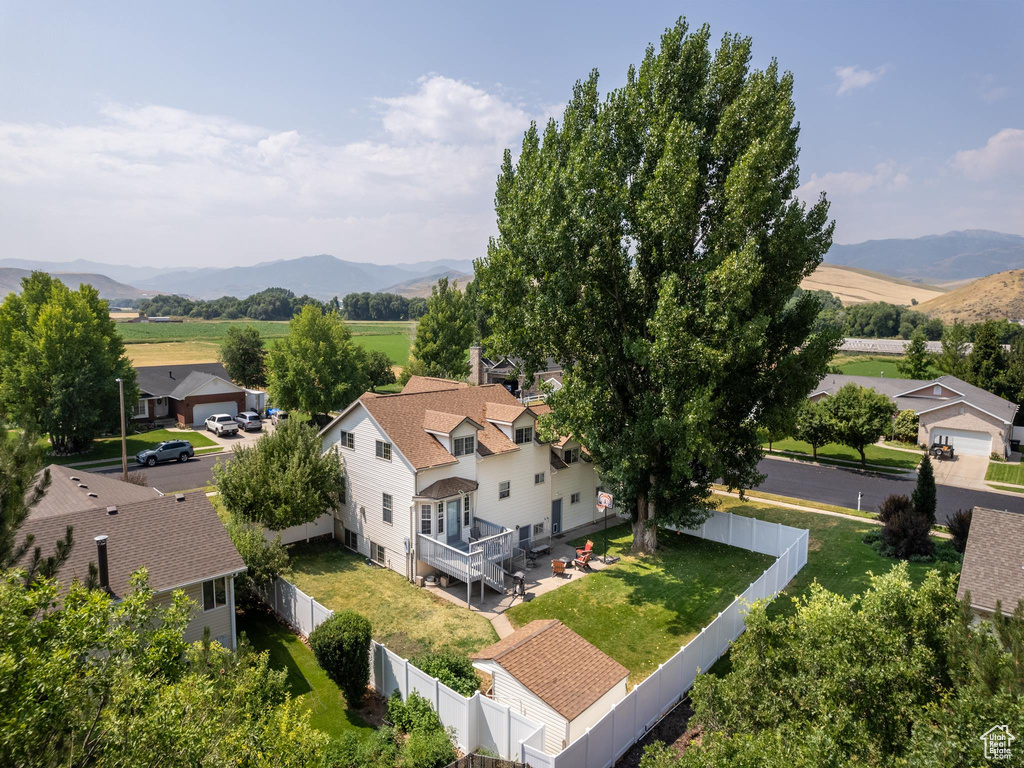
(924, 496)
(917, 361)
(986, 365)
(953, 358)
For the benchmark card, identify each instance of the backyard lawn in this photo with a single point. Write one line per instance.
(874, 365)
(307, 683)
(640, 611)
(408, 620)
(110, 447)
(1005, 472)
(886, 457)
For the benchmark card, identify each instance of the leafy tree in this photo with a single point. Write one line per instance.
(917, 361)
(244, 356)
(650, 243)
(924, 496)
(959, 525)
(379, 369)
(264, 560)
(813, 425)
(444, 334)
(285, 479)
(860, 415)
(317, 368)
(341, 645)
(953, 358)
(1013, 380)
(905, 427)
(60, 356)
(452, 668)
(986, 365)
(90, 681)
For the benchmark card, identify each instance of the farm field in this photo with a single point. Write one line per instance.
(857, 286)
(874, 365)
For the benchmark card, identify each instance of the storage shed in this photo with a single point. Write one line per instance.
(550, 674)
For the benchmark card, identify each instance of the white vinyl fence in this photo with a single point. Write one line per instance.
(322, 526)
(480, 722)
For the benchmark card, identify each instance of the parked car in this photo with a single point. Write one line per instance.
(249, 421)
(222, 424)
(168, 450)
(278, 416)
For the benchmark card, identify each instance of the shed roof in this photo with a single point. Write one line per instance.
(74, 490)
(993, 567)
(449, 486)
(558, 666)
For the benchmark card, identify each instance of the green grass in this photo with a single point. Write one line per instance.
(875, 365)
(1009, 488)
(110, 447)
(1004, 472)
(307, 683)
(886, 457)
(408, 620)
(640, 611)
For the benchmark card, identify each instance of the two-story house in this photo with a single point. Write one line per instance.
(450, 477)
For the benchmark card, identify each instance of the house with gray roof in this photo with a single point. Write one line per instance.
(993, 567)
(73, 490)
(186, 394)
(972, 420)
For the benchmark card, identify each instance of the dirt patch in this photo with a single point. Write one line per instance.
(374, 708)
(674, 730)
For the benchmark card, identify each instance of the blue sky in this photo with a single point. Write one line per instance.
(231, 133)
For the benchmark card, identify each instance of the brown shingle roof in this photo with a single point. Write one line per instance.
(436, 421)
(66, 494)
(506, 412)
(402, 417)
(449, 486)
(561, 668)
(179, 542)
(431, 384)
(993, 566)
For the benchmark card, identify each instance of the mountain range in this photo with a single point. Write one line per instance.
(10, 280)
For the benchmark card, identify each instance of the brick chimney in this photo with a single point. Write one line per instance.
(476, 365)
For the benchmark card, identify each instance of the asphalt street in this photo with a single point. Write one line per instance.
(839, 486)
(174, 476)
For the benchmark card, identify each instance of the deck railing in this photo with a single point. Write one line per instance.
(462, 565)
(488, 529)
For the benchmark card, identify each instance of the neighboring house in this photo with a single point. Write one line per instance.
(443, 469)
(550, 674)
(993, 567)
(186, 394)
(508, 372)
(75, 490)
(179, 540)
(950, 410)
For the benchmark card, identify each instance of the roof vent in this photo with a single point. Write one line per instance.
(75, 479)
(170, 374)
(91, 495)
(82, 485)
(179, 497)
(111, 510)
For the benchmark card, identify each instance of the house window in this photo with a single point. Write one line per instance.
(464, 446)
(524, 435)
(465, 511)
(378, 554)
(571, 455)
(352, 540)
(383, 450)
(141, 409)
(538, 529)
(503, 490)
(440, 517)
(425, 519)
(214, 594)
(538, 479)
(348, 440)
(575, 498)
(387, 502)
(936, 390)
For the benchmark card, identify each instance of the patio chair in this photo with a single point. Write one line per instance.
(588, 548)
(558, 567)
(582, 562)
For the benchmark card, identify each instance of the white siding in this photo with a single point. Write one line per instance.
(367, 479)
(576, 478)
(510, 692)
(589, 717)
(527, 504)
(217, 619)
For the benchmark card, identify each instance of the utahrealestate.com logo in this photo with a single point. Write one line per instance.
(997, 742)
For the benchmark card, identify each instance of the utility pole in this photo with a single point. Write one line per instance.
(124, 440)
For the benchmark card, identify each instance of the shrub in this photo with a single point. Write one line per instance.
(428, 749)
(905, 531)
(452, 668)
(959, 525)
(924, 498)
(341, 646)
(414, 714)
(904, 427)
(264, 560)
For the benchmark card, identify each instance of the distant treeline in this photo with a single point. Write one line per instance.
(383, 306)
(270, 304)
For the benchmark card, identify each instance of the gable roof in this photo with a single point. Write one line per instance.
(558, 666)
(431, 384)
(74, 490)
(506, 413)
(164, 380)
(437, 421)
(179, 542)
(902, 392)
(993, 567)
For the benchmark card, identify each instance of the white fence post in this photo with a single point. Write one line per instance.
(778, 540)
(728, 538)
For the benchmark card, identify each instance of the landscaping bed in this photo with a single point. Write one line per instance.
(406, 619)
(886, 457)
(640, 611)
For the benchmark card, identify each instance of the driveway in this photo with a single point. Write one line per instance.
(963, 471)
(230, 442)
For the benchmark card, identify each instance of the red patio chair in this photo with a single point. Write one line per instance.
(588, 548)
(582, 563)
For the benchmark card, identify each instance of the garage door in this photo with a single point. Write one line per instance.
(203, 411)
(964, 440)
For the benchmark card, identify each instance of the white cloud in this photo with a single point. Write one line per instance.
(853, 77)
(884, 176)
(174, 182)
(1002, 155)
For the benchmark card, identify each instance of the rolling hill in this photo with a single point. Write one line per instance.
(989, 298)
(953, 256)
(858, 286)
(420, 286)
(10, 280)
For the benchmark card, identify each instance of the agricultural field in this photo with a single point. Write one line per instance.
(874, 365)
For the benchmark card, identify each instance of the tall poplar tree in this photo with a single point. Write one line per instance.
(650, 243)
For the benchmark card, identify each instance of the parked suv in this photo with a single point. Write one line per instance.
(249, 421)
(168, 450)
(222, 424)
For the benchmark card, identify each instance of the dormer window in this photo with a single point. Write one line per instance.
(464, 446)
(571, 455)
(524, 435)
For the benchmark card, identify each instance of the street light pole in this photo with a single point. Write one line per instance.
(124, 440)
